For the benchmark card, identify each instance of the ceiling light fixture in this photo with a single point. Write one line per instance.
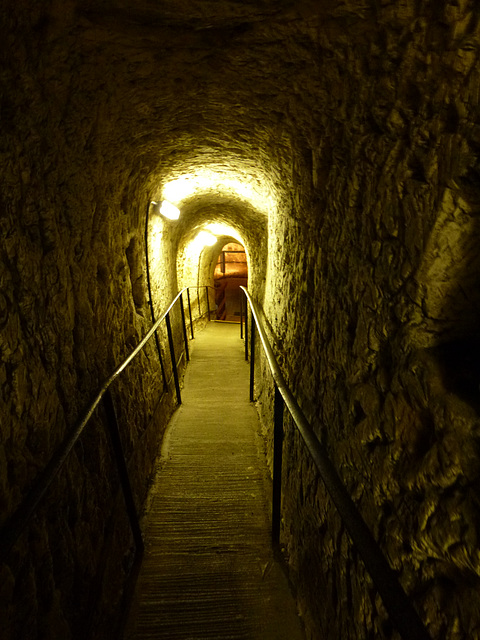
(168, 210)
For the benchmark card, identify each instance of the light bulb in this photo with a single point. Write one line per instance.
(169, 210)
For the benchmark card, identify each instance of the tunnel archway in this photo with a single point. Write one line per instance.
(230, 273)
(230, 214)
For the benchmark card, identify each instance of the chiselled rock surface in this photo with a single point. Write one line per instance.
(340, 141)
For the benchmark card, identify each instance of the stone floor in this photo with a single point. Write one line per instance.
(209, 571)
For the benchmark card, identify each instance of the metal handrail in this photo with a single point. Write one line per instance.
(19, 520)
(396, 602)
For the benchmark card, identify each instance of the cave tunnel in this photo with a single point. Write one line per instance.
(337, 142)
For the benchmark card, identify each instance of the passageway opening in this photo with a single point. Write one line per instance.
(226, 196)
(230, 273)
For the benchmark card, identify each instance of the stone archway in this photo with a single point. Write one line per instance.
(231, 272)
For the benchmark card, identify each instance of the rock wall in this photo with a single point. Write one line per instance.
(73, 305)
(378, 264)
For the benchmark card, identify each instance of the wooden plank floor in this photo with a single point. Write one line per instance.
(208, 570)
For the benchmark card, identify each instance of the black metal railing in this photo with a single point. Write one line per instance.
(397, 604)
(20, 519)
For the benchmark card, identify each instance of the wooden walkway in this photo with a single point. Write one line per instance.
(208, 570)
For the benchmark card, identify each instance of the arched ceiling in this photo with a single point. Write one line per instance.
(200, 210)
(169, 90)
(226, 194)
(195, 84)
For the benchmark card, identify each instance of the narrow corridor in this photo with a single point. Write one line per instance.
(337, 142)
(209, 570)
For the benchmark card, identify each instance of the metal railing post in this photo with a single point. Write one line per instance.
(162, 366)
(184, 327)
(119, 455)
(172, 355)
(190, 312)
(252, 359)
(277, 465)
(246, 331)
(208, 302)
(241, 316)
(198, 300)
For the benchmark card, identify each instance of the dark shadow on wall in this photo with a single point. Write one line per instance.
(450, 301)
(459, 362)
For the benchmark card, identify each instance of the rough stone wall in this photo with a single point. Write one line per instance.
(73, 305)
(379, 266)
(164, 287)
